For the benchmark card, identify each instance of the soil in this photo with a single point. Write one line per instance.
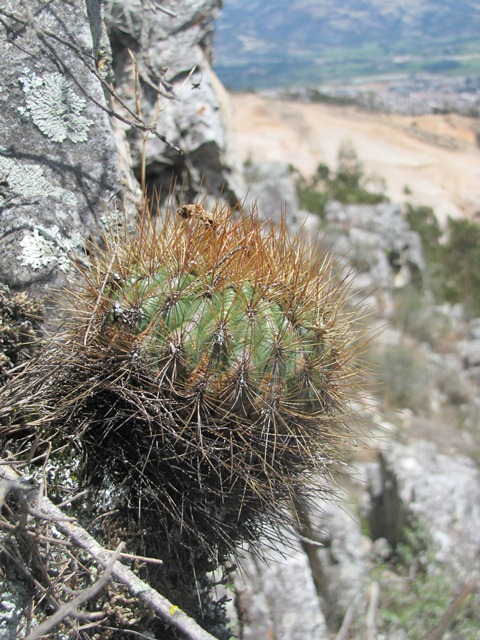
(431, 160)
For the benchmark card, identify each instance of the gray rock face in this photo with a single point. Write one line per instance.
(58, 166)
(272, 190)
(470, 350)
(278, 599)
(342, 560)
(379, 241)
(172, 48)
(417, 484)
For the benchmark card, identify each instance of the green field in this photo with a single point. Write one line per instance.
(342, 66)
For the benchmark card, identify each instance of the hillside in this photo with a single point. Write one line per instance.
(427, 160)
(293, 42)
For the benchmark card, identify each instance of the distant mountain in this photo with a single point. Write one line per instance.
(262, 41)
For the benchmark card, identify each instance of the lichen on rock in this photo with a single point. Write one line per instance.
(48, 247)
(55, 107)
(28, 180)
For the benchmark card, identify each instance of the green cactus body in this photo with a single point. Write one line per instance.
(199, 388)
(225, 333)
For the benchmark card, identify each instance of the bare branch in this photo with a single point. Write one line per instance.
(43, 35)
(69, 609)
(169, 612)
(452, 611)
(373, 611)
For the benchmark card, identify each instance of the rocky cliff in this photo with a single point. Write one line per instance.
(82, 114)
(58, 161)
(92, 92)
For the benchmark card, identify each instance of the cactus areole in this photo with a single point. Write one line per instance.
(205, 363)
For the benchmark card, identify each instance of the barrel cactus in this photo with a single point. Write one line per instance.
(203, 377)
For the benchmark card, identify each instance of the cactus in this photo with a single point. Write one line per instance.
(201, 376)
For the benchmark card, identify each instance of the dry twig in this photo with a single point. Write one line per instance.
(167, 611)
(70, 609)
(373, 611)
(452, 611)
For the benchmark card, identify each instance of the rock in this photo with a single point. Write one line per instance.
(58, 163)
(272, 190)
(178, 92)
(474, 328)
(277, 599)
(470, 349)
(471, 353)
(378, 241)
(436, 494)
(340, 565)
(11, 612)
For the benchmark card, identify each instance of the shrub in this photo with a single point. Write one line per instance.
(348, 184)
(453, 266)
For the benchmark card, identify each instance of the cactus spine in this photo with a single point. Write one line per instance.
(202, 375)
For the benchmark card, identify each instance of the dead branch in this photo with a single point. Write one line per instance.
(373, 611)
(452, 610)
(344, 631)
(167, 611)
(69, 609)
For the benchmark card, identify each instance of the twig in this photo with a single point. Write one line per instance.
(372, 611)
(38, 536)
(343, 632)
(169, 12)
(452, 611)
(169, 612)
(132, 556)
(69, 609)
(137, 123)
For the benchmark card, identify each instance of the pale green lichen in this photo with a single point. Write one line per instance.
(55, 107)
(46, 247)
(28, 181)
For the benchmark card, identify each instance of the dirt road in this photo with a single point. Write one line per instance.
(430, 160)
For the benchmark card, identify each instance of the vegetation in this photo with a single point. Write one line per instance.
(347, 184)
(402, 372)
(452, 255)
(199, 385)
(452, 258)
(20, 320)
(417, 596)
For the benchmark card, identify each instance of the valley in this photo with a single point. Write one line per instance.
(431, 160)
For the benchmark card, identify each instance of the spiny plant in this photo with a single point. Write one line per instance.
(203, 377)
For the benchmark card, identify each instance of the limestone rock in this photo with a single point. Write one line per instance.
(272, 190)
(179, 92)
(58, 166)
(379, 241)
(278, 599)
(342, 561)
(441, 494)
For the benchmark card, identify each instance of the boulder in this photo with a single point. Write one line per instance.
(58, 161)
(169, 47)
(436, 495)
